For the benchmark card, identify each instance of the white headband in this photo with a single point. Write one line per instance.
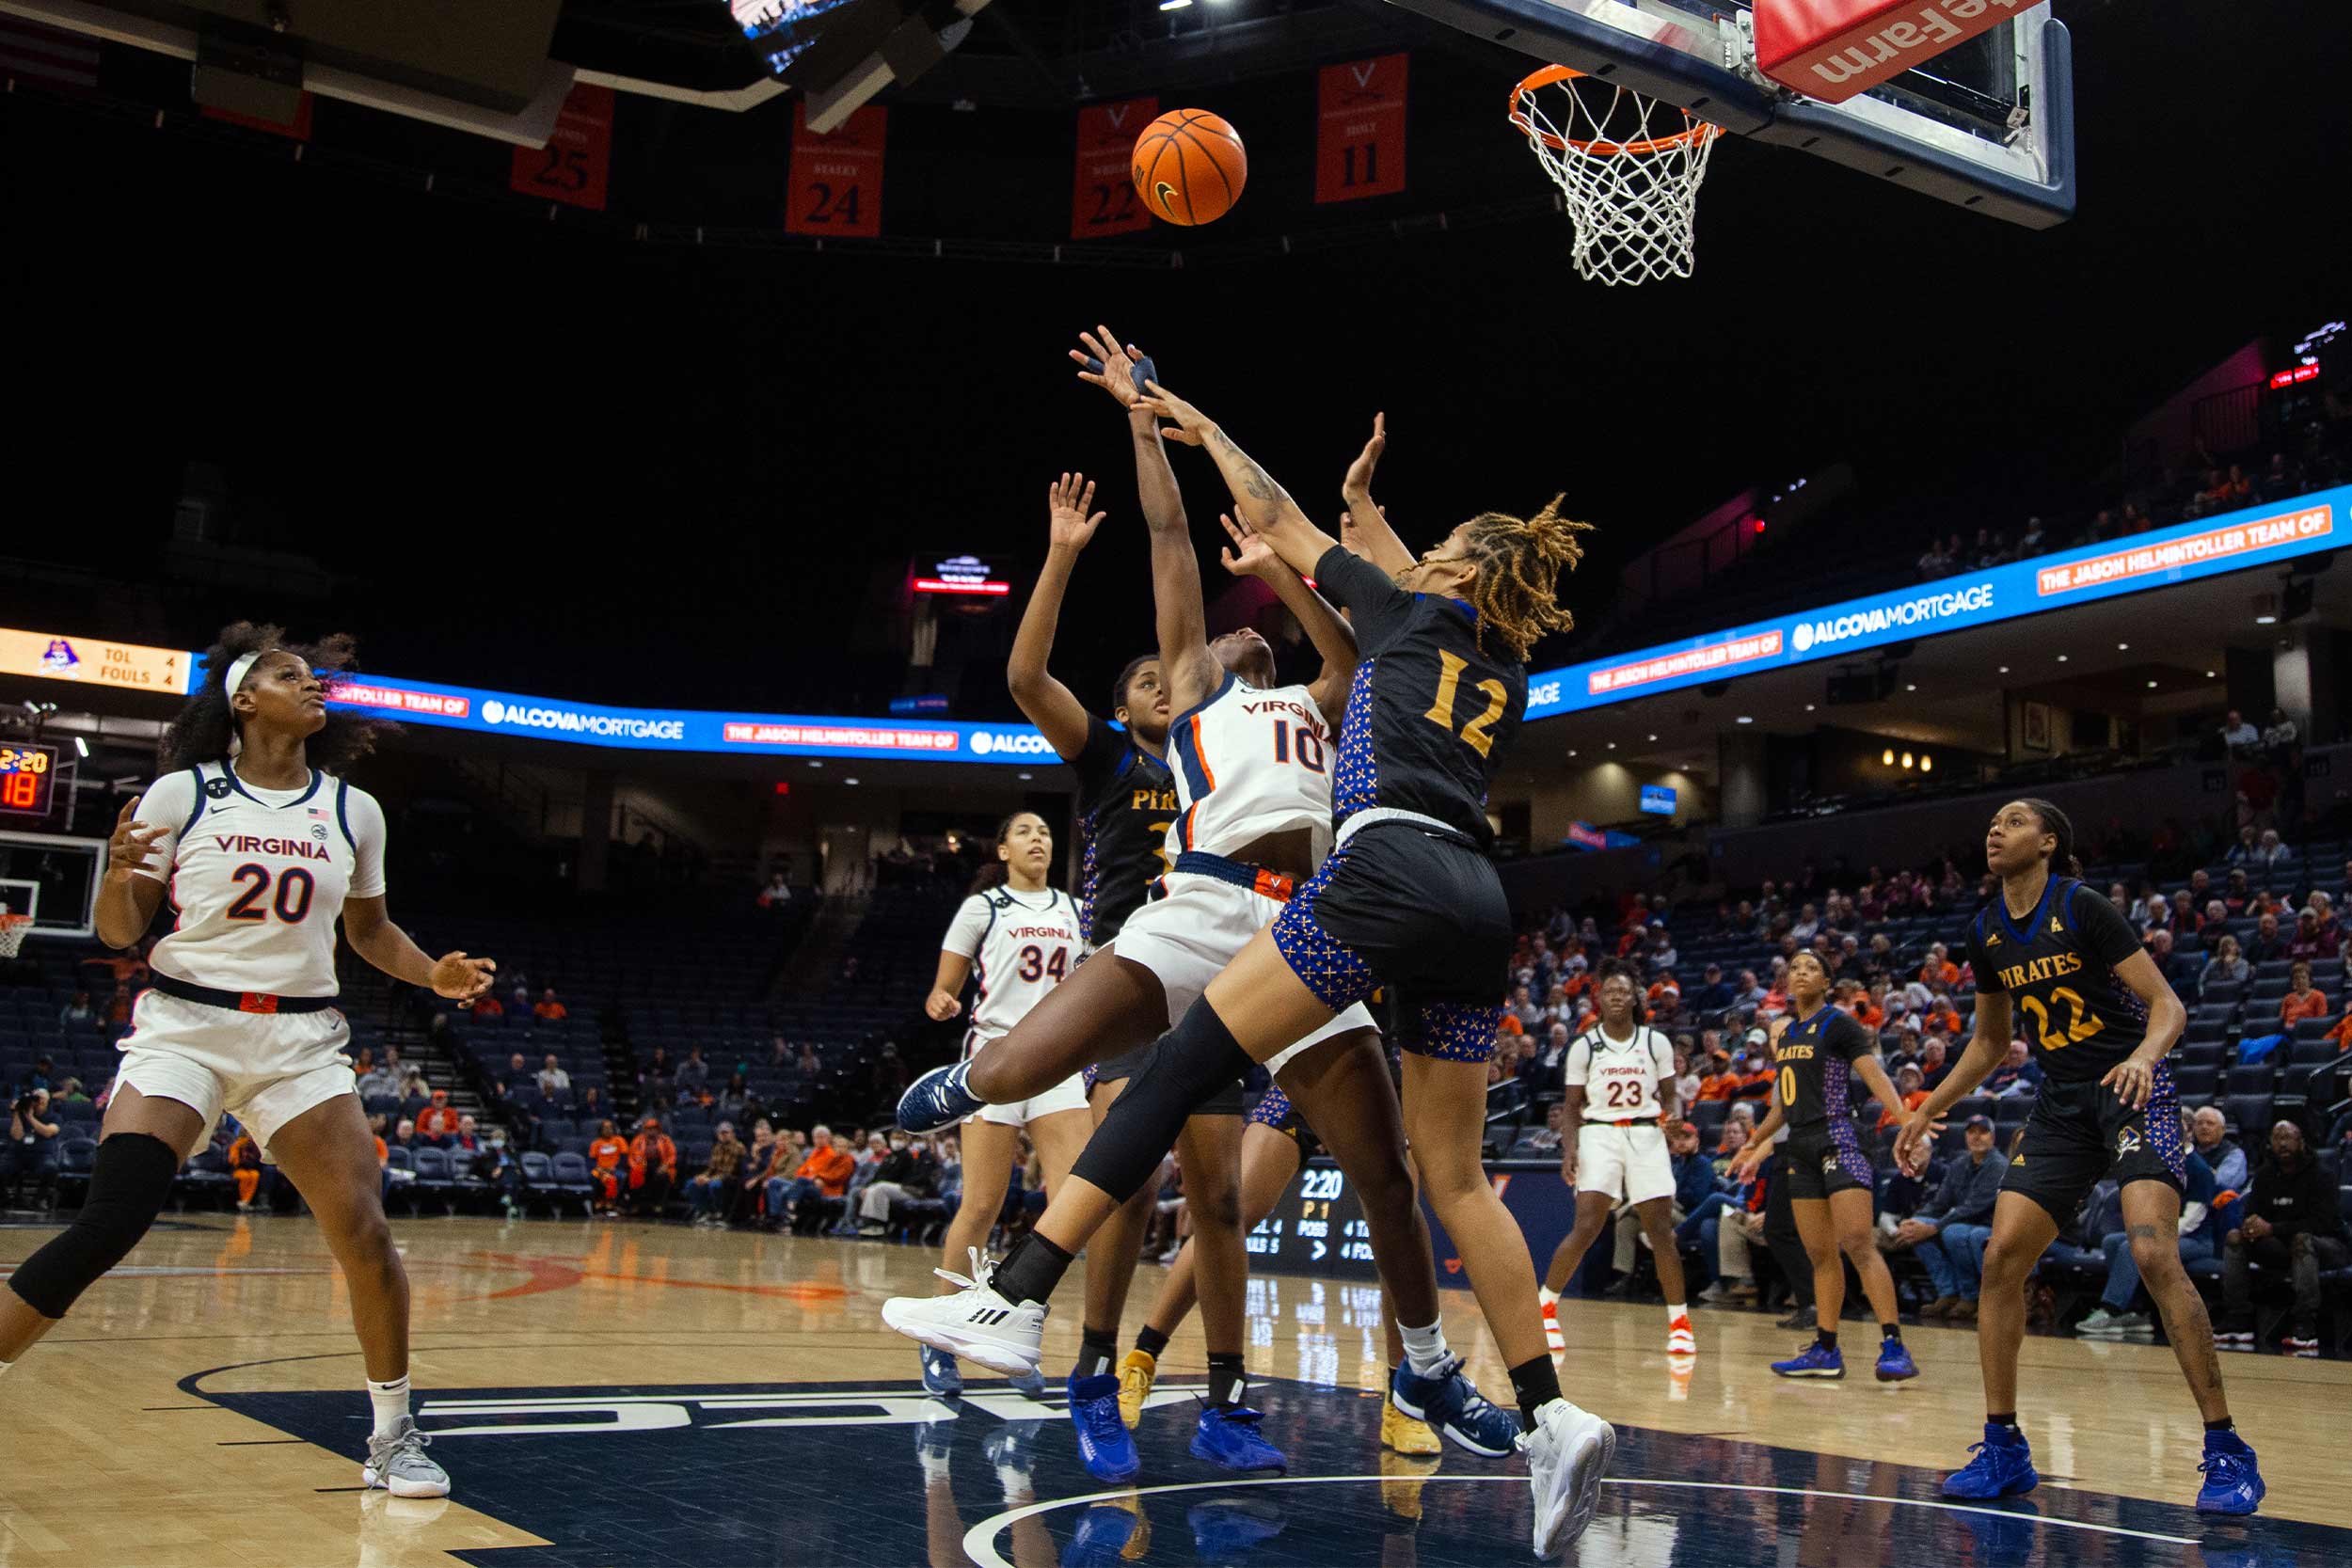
(239, 670)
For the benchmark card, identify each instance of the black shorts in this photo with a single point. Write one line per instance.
(2081, 1134)
(1417, 911)
(1824, 1163)
(1228, 1101)
(1274, 1109)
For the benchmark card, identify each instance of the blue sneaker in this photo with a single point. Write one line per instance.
(2233, 1484)
(937, 1100)
(1453, 1404)
(2003, 1468)
(1100, 1540)
(1895, 1362)
(1105, 1446)
(1030, 1384)
(1814, 1360)
(1012, 1449)
(1227, 1436)
(941, 1375)
(1227, 1529)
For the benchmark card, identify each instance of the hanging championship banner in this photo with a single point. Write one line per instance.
(296, 129)
(577, 164)
(1359, 129)
(836, 180)
(1104, 200)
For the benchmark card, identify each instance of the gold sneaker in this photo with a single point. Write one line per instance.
(1401, 1434)
(1134, 1385)
(1401, 1481)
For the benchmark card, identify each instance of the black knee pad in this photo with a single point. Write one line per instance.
(129, 1181)
(1191, 1062)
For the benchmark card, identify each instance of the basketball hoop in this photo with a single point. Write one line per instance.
(1632, 193)
(14, 928)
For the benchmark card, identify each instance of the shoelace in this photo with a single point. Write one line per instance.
(1101, 1416)
(983, 1269)
(2222, 1467)
(407, 1441)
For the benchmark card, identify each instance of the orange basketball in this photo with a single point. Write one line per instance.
(1189, 167)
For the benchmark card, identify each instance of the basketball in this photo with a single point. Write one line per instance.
(1189, 167)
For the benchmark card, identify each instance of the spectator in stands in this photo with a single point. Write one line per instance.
(607, 1153)
(2239, 736)
(555, 1084)
(437, 1122)
(652, 1168)
(489, 1005)
(380, 1081)
(2302, 1000)
(1545, 1139)
(811, 1066)
(825, 1174)
(498, 1169)
(659, 1072)
(1754, 1068)
(30, 1159)
(2269, 849)
(2279, 732)
(2034, 541)
(2018, 1073)
(547, 1009)
(890, 1075)
(2209, 1137)
(2267, 944)
(2235, 891)
(244, 1167)
(79, 1012)
(735, 1099)
(1712, 995)
(710, 1192)
(518, 1076)
(404, 1133)
(2197, 1236)
(468, 1138)
(1739, 1124)
(2213, 933)
(893, 1174)
(1935, 562)
(2294, 1226)
(415, 1093)
(777, 895)
(693, 1072)
(2159, 946)
(2248, 839)
(766, 1160)
(1687, 1080)
(1934, 1069)
(592, 1104)
(69, 1092)
(1948, 1234)
(1909, 1092)
(2312, 942)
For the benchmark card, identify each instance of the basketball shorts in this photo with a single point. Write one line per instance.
(1628, 1163)
(1185, 937)
(1068, 1094)
(1409, 907)
(1274, 1109)
(264, 1069)
(2080, 1134)
(1825, 1163)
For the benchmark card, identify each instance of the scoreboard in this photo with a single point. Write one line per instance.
(1317, 1229)
(28, 779)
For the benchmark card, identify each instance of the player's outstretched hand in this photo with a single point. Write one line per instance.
(1915, 1140)
(133, 845)
(2133, 1080)
(1744, 1163)
(1186, 424)
(1358, 484)
(461, 978)
(1069, 516)
(1104, 363)
(941, 1005)
(1256, 558)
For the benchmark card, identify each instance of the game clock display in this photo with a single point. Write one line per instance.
(1317, 1229)
(27, 775)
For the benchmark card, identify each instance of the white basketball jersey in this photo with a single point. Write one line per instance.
(258, 876)
(1021, 945)
(1249, 763)
(1620, 1077)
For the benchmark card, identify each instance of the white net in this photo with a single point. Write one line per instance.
(14, 928)
(1628, 167)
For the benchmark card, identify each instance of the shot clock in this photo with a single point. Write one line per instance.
(29, 774)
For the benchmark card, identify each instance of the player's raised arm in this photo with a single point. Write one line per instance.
(1367, 532)
(1263, 505)
(1069, 521)
(1252, 557)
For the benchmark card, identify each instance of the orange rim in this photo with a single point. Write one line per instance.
(1700, 130)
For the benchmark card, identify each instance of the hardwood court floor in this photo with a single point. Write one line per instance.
(623, 1393)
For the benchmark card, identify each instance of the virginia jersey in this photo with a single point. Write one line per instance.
(1021, 945)
(1816, 1058)
(1126, 799)
(1620, 1077)
(1431, 714)
(2057, 966)
(1249, 763)
(259, 876)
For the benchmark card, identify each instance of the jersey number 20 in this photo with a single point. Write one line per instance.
(294, 891)
(1474, 734)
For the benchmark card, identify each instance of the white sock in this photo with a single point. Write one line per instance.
(1675, 1312)
(1547, 1295)
(1425, 1348)
(392, 1404)
(6, 1365)
(934, 1466)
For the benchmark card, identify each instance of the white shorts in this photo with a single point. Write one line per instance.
(1068, 1094)
(1630, 1162)
(1187, 937)
(264, 1069)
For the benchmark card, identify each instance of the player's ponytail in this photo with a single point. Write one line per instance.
(992, 875)
(2055, 823)
(1519, 561)
(206, 726)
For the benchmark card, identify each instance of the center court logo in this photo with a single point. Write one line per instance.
(1917, 611)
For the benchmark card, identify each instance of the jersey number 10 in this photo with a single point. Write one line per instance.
(1475, 735)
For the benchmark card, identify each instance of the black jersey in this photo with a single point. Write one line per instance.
(1816, 1060)
(1431, 714)
(1126, 798)
(2058, 967)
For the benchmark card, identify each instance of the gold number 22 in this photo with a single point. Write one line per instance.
(2084, 1023)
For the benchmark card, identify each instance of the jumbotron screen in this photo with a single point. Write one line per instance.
(783, 29)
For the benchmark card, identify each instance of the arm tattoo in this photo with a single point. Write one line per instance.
(2142, 1233)
(1253, 478)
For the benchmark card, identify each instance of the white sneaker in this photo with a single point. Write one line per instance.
(396, 1461)
(1568, 1454)
(975, 1323)
(1680, 1339)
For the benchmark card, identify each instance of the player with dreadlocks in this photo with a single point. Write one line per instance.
(1406, 899)
(259, 843)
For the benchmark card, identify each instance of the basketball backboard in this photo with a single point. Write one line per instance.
(1989, 125)
(55, 879)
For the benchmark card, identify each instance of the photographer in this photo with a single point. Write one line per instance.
(30, 1162)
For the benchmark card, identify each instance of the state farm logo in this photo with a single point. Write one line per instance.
(984, 744)
(493, 711)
